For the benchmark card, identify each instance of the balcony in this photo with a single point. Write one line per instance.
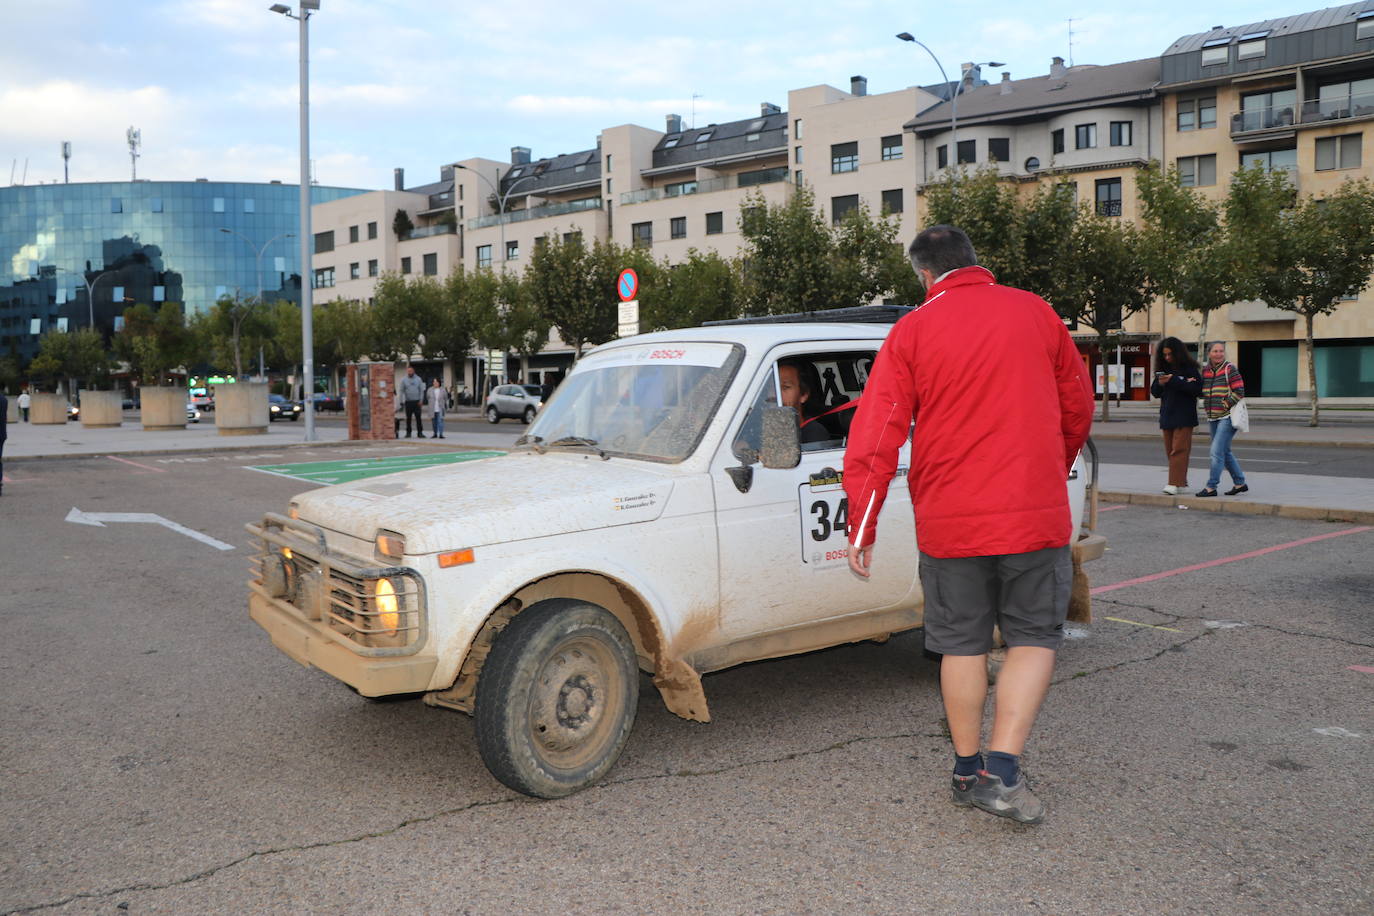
(1312, 111)
(520, 216)
(724, 183)
(1277, 116)
(424, 232)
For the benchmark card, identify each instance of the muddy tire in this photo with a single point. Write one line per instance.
(492, 415)
(529, 415)
(556, 698)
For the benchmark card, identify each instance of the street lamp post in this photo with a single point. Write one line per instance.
(258, 253)
(307, 326)
(953, 101)
(501, 200)
(90, 291)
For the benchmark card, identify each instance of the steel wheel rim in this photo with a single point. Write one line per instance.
(576, 701)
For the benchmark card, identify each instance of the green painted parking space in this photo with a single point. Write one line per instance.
(358, 468)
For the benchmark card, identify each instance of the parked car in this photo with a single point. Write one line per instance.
(204, 401)
(662, 513)
(519, 401)
(329, 402)
(192, 413)
(279, 408)
(130, 403)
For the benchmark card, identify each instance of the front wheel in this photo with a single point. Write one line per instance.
(492, 415)
(556, 699)
(529, 415)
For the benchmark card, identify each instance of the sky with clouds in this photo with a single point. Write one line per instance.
(212, 84)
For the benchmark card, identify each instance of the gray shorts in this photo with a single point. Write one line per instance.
(1025, 594)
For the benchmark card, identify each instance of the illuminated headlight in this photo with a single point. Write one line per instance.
(391, 545)
(274, 408)
(387, 606)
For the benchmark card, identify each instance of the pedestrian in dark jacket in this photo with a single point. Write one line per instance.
(1177, 384)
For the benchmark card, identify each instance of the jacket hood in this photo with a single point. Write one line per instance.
(493, 500)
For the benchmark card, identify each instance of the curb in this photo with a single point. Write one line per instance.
(1239, 507)
(68, 456)
(1247, 440)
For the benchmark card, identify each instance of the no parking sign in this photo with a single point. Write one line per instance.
(627, 285)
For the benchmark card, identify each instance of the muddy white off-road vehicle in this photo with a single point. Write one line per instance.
(662, 514)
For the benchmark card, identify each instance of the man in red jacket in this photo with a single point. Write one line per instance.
(1001, 405)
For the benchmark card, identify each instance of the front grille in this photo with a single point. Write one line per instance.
(374, 610)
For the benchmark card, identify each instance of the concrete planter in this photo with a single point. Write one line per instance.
(48, 410)
(241, 409)
(163, 408)
(100, 409)
(12, 412)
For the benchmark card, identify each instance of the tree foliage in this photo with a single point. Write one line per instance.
(155, 342)
(573, 286)
(705, 287)
(71, 356)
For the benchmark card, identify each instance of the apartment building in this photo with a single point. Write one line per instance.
(1293, 94)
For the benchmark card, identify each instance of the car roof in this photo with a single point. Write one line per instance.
(761, 335)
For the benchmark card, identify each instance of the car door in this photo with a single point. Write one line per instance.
(783, 548)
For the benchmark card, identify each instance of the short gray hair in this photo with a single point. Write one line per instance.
(940, 249)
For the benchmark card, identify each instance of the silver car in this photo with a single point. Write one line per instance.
(519, 401)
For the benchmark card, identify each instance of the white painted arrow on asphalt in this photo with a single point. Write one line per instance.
(98, 519)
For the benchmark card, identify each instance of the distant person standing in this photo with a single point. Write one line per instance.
(24, 401)
(1222, 389)
(412, 389)
(1001, 406)
(4, 434)
(438, 403)
(1177, 384)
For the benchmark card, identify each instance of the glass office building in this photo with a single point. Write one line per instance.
(74, 254)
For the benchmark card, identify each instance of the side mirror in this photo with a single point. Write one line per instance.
(781, 438)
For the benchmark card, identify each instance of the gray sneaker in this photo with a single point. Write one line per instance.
(962, 790)
(1016, 802)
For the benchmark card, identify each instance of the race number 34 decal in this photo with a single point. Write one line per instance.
(824, 513)
(828, 517)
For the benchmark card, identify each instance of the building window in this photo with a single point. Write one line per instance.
(324, 277)
(116, 205)
(250, 205)
(1033, 164)
(797, 155)
(1197, 114)
(999, 149)
(431, 262)
(642, 235)
(702, 137)
(1340, 100)
(324, 241)
(371, 230)
(715, 223)
(796, 129)
(483, 255)
(968, 151)
(353, 233)
(1339, 152)
(677, 227)
(1109, 197)
(1120, 133)
(1057, 141)
(1085, 136)
(1197, 171)
(608, 186)
(372, 267)
(842, 206)
(405, 265)
(671, 142)
(1216, 52)
(1364, 25)
(677, 189)
(1251, 46)
(892, 147)
(751, 138)
(798, 176)
(1262, 110)
(217, 204)
(892, 201)
(155, 205)
(159, 294)
(1272, 160)
(355, 271)
(941, 156)
(608, 162)
(512, 252)
(117, 294)
(844, 157)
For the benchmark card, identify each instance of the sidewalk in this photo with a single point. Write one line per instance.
(1307, 496)
(28, 441)
(1268, 426)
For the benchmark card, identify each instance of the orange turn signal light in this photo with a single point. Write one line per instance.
(455, 558)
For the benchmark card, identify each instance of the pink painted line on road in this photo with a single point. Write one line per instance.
(1111, 509)
(146, 467)
(1224, 560)
(1364, 668)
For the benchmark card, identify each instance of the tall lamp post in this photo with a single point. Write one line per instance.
(258, 253)
(307, 326)
(953, 101)
(90, 290)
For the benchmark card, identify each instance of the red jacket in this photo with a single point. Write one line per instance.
(1002, 405)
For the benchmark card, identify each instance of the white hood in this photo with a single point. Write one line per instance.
(494, 500)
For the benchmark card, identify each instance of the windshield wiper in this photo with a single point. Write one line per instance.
(577, 440)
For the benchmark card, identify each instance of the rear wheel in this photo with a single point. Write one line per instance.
(556, 699)
(529, 415)
(492, 415)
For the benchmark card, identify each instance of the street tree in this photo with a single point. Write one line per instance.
(70, 356)
(231, 322)
(400, 312)
(573, 287)
(1319, 251)
(155, 342)
(704, 287)
(1107, 281)
(1188, 244)
(990, 212)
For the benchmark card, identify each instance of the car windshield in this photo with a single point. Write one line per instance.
(642, 401)
(531, 389)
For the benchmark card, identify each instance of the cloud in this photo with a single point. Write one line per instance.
(76, 111)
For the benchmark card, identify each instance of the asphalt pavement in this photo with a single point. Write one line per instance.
(1204, 749)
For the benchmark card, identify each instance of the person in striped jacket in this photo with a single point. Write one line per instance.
(1222, 388)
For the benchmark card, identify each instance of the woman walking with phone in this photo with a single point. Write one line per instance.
(1177, 384)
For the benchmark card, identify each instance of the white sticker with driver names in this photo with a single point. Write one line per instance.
(709, 355)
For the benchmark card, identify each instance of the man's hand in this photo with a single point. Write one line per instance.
(860, 560)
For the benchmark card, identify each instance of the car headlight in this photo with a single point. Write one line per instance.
(387, 606)
(274, 408)
(391, 545)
